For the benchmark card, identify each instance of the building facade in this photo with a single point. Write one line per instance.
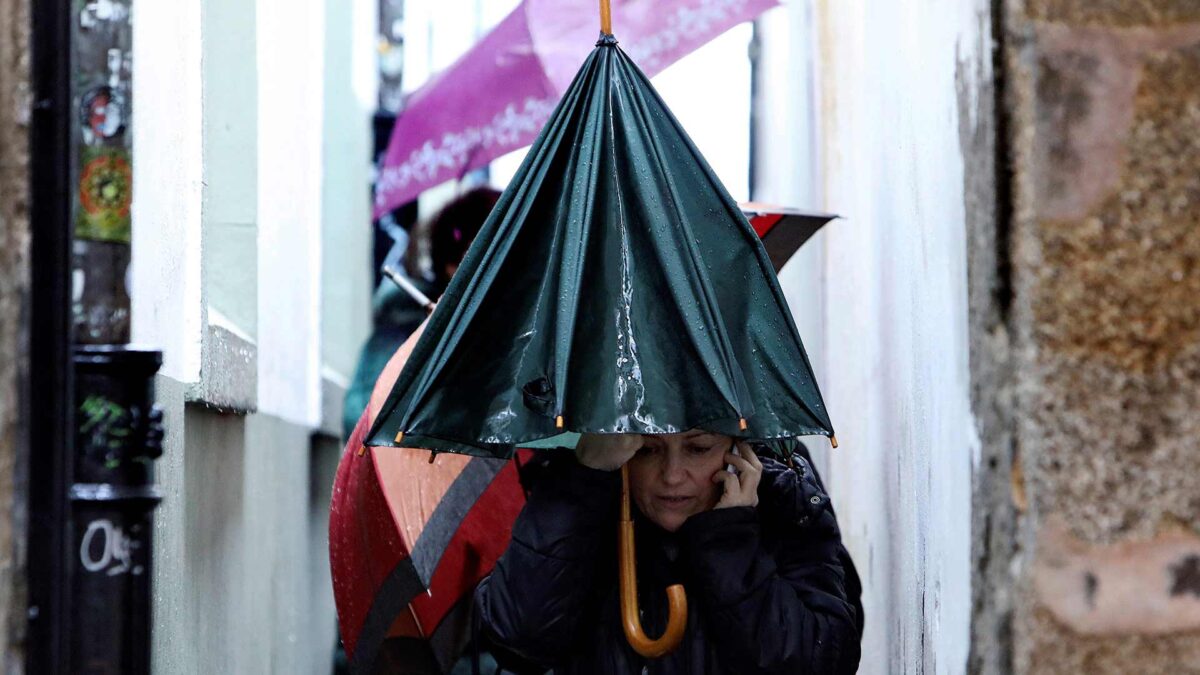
(1004, 321)
(251, 272)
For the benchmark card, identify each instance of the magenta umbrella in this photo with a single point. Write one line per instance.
(496, 97)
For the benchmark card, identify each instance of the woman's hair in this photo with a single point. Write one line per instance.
(453, 229)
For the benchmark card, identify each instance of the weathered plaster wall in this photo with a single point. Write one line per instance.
(241, 559)
(904, 89)
(1105, 118)
(987, 196)
(241, 582)
(14, 285)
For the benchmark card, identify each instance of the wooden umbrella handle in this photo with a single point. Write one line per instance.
(630, 615)
(606, 17)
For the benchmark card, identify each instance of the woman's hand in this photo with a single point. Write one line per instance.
(607, 452)
(741, 489)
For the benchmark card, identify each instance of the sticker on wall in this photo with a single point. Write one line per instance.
(102, 114)
(98, 12)
(105, 196)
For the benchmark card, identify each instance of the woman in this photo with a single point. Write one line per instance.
(770, 587)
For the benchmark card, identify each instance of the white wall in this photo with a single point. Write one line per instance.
(890, 296)
(290, 61)
(165, 286)
(708, 91)
(788, 166)
(351, 88)
(230, 219)
(251, 165)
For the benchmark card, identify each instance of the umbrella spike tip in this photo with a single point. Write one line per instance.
(362, 450)
(432, 456)
(400, 437)
(742, 424)
(558, 422)
(833, 440)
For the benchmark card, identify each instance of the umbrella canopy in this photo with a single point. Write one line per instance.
(408, 541)
(407, 544)
(496, 97)
(616, 288)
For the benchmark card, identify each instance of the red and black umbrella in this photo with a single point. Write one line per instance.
(408, 542)
(406, 553)
(783, 230)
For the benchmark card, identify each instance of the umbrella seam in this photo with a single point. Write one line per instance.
(572, 296)
(430, 366)
(764, 262)
(730, 362)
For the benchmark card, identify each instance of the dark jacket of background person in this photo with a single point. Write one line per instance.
(770, 589)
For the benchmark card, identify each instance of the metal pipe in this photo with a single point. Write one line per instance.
(46, 434)
(408, 287)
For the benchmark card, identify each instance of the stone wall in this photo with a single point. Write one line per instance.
(1104, 110)
(14, 284)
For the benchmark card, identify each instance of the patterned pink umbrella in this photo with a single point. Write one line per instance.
(496, 98)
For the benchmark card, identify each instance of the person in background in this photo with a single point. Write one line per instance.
(395, 314)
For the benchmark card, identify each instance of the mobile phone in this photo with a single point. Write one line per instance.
(729, 467)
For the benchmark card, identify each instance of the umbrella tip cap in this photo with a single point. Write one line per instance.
(362, 450)
(400, 437)
(833, 440)
(558, 422)
(742, 424)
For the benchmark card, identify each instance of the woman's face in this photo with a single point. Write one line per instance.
(671, 477)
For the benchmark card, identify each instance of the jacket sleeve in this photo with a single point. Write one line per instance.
(792, 609)
(536, 598)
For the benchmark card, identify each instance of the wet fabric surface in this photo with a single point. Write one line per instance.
(616, 285)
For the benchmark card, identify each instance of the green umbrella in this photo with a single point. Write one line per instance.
(615, 288)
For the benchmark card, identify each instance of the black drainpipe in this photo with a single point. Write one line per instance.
(49, 315)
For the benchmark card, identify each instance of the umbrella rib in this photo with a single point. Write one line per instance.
(417, 620)
(462, 314)
(764, 262)
(626, 285)
(569, 301)
(729, 360)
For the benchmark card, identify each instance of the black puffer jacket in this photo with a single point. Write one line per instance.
(770, 589)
